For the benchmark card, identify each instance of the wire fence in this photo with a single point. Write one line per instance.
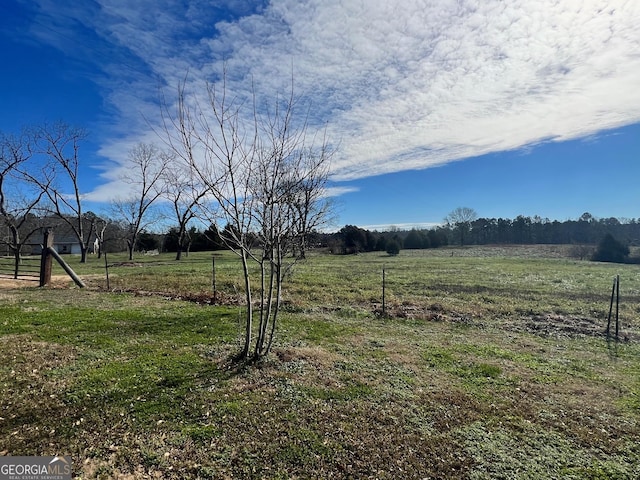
(28, 266)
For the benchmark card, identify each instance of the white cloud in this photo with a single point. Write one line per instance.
(335, 191)
(402, 85)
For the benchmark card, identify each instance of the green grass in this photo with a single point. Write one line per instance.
(490, 363)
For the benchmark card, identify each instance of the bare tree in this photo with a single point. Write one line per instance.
(309, 196)
(19, 200)
(290, 176)
(184, 192)
(147, 170)
(60, 143)
(255, 169)
(461, 218)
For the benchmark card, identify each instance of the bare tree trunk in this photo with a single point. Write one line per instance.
(303, 247)
(84, 248)
(16, 261)
(130, 245)
(259, 340)
(266, 308)
(277, 306)
(16, 249)
(182, 240)
(249, 305)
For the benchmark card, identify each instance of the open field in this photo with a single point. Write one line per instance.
(490, 363)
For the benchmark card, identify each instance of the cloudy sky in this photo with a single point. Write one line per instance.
(506, 106)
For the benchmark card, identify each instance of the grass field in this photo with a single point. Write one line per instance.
(489, 363)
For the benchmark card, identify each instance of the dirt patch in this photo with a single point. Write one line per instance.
(432, 313)
(9, 283)
(569, 326)
(562, 325)
(221, 298)
(547, 325)
(316, 356)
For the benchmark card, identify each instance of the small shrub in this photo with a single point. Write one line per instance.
(393, 247)
(581, 252)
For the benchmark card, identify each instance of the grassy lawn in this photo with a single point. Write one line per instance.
(490, 363)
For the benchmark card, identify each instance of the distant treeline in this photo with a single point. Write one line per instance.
(587, 230)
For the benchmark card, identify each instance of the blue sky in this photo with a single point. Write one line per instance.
(506, 106)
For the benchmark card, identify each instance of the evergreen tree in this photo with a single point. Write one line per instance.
(416, 239)
(611, 250)
(393, 247)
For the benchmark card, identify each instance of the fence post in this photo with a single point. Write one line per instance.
(384, 305)
(45, 258)
(617, 302)
(106, 267)
(613, 292)
(213, 277)
(16, 262)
